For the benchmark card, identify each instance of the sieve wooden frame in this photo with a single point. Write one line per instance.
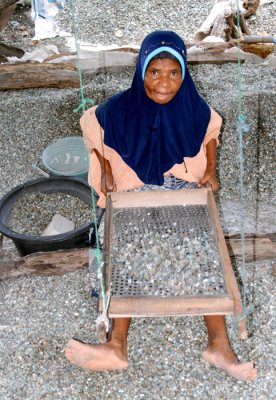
(151, 305)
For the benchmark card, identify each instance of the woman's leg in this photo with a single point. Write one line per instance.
(105, 356)
(219, 352)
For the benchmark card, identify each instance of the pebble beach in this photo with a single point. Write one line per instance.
(39, 314)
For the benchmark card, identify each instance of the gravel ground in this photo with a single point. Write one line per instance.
(39, 314)
(98, 22)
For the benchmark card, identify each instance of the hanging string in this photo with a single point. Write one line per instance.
(96, 252)
(242, 127)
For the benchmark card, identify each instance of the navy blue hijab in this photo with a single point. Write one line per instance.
(152, 137)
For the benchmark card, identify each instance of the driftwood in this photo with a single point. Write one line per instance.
(64, 261)
(28, 75)
(222, 20)
(260, 49)
(48, 263)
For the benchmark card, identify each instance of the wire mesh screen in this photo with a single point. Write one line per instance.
(165, 251)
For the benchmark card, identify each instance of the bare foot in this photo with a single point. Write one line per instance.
(227, 360)
(96, 357)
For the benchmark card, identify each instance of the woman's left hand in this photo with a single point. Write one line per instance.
(210, 179)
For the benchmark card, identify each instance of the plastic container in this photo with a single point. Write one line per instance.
(73, 239)
(66, 157)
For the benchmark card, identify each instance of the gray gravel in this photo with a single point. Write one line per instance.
(39, 314)
(98, 22)
(32, 212)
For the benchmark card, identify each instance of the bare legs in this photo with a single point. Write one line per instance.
(113, 354)
(100, 357)
(219, 352)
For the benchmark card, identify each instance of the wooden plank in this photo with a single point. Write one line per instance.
(114, 61)
(256, 249)
(28, 75)
(100, 61)
(230, 280)
(154, 306)
(215, 58)
(159, 198)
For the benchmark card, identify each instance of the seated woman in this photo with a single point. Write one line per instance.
(159, 133)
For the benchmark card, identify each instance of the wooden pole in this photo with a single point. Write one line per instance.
(258, 39)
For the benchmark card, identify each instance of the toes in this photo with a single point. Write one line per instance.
(251, 375)
(70, 356)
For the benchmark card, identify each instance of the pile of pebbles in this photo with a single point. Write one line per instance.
(32, 212)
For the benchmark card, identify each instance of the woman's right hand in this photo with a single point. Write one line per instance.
(107, 181)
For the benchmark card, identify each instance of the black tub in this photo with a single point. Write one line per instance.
(76, 238)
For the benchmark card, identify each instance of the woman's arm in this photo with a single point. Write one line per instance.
(209, 178)
(107, 181)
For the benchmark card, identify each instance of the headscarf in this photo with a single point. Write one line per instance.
(152, 137)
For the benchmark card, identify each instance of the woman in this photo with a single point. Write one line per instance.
(158, 134)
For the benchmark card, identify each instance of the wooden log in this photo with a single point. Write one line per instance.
(28, 75)
(258, 39)
(64, 261)
(46, 263)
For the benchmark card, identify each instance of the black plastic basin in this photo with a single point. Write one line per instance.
(76, 238)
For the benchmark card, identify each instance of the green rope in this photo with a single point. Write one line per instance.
(82, 107)
(242, 127)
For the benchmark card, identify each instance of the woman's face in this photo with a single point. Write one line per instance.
(163, 79)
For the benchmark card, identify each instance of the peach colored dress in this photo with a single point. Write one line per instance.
(124, 177)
